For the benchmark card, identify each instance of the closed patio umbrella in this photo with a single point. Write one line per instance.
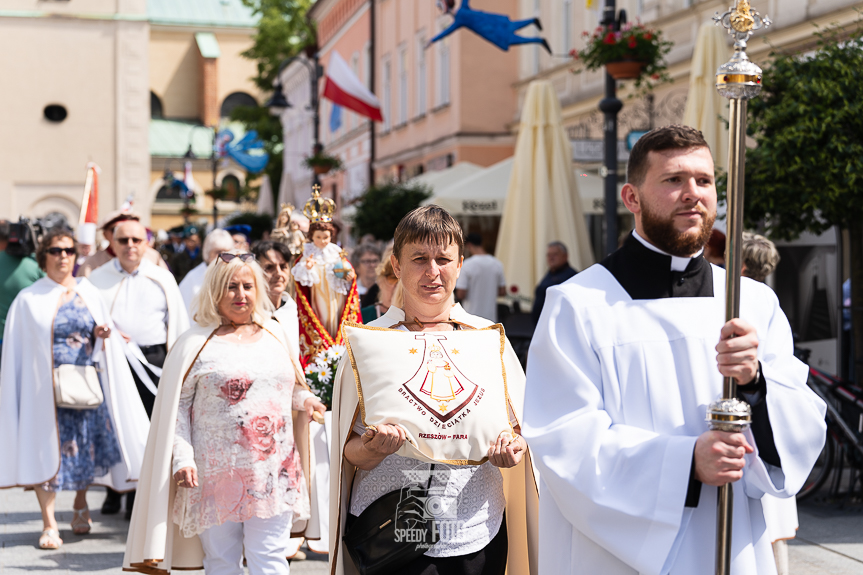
(704, 105)
(542, 203)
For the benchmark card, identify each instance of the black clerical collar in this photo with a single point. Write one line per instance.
(647, 274)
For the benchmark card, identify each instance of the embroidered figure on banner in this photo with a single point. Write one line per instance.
(438, 384)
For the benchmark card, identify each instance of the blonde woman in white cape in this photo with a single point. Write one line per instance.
(223, 474)
(496, 503)
(60, 320)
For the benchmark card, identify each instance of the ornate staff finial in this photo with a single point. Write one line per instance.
(739, 77)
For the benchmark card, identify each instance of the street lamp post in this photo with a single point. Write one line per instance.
(279, 103)
(214, 159)
(610, 106)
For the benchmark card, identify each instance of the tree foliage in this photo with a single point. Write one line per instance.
(381, 208)
(808, 124)
(283, 31)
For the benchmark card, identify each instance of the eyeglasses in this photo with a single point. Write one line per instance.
(58, 251)
(127, 241)
(226, 257)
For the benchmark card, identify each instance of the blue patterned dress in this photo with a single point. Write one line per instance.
(88, 443)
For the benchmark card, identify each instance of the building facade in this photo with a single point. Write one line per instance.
(75, 91)
(127, 84)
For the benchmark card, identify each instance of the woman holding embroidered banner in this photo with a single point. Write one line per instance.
(223, 473)
(57, 329)
(479, 538)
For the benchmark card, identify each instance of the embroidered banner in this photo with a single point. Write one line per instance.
(446, 389)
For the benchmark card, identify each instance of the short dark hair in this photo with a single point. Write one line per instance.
(428, 223)
(473, 239)
(674, 137)
(362, 250)
(48, 239)
(260, 249)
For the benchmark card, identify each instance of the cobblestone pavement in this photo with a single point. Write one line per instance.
(99, 552)
(829, 542)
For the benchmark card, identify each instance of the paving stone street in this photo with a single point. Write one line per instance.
(829, 542)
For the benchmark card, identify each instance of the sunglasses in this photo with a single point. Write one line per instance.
(58, 251)
(127, 241)
(226, 257)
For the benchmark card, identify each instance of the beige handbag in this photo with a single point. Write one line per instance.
(77, 387)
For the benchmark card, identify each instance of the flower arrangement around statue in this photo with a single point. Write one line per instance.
(634, 53)
(322, 372)
(321, 163)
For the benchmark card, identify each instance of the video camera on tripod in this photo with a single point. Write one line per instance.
(24, 236)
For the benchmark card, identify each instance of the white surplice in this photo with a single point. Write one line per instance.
(617, 391)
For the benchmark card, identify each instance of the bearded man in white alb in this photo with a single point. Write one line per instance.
(632, 351)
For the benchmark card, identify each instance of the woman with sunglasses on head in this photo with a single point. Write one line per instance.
(58, 323)
(223, 474)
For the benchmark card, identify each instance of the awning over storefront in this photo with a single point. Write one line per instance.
(483, 193)
(440, 179)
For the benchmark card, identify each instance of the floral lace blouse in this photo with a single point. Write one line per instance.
(234, 425)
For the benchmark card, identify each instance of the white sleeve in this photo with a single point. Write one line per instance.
(621, 486)
(300, 395)
(796, 414)
(184, 453)
(501, 282)
(305, 276)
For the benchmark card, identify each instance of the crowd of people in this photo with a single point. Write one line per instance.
(179, 378)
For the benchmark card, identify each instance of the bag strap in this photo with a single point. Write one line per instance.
(431, 475)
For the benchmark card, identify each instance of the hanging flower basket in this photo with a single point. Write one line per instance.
(322, 163)
(625, 69)
(633, 53)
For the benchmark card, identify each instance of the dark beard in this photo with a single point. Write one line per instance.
(662, 233)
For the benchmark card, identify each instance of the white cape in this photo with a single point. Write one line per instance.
(30, 450)
(108, 280)
(191, 285)
(617, 391)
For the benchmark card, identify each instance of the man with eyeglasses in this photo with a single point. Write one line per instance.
(148, 311)
(365, 259)
(102, 257)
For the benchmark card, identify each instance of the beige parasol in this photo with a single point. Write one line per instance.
(542, 203)
(704, 105)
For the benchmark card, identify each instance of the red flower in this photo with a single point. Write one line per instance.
(655, 76)
(585, 34)
(260, 432)
(235, 390)
(609, 38)
(648, 36)
(632, 42)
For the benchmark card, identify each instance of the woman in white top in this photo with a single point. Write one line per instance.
(237, 473)
(427, 258)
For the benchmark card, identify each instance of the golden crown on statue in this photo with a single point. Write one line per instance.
(318, 209)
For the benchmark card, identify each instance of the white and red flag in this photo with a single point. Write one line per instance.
(342, 87)
(89, 206)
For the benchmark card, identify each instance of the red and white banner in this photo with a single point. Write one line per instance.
(344, 88)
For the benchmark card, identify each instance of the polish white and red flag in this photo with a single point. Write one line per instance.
(342, 87)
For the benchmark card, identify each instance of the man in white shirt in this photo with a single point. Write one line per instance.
(481, 280)
(148, 311)
(626, 358)
(217, 241)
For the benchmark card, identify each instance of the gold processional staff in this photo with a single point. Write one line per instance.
(739, 79)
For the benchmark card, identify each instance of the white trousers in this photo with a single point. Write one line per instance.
(264, 540)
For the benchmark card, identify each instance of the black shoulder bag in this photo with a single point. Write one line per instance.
(393, 531)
